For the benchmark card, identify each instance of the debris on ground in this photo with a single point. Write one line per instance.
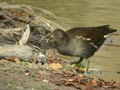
(82, 82)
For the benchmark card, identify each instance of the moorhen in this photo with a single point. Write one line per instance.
(80, 42)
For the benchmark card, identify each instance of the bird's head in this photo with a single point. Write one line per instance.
(56, 36)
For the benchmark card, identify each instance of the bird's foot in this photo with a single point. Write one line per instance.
(78, 67)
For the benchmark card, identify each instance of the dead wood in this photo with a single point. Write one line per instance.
(25, 53)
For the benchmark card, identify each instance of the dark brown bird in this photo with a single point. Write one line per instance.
(80, 42)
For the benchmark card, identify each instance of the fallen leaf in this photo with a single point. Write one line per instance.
(55, 66)
(13, 59)
(17, 60)
(70, 79)
(45, 81)
(50, 57)
(27, 74)
(94, 82)
(81, 75)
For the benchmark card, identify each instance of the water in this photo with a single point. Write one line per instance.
(89, 13)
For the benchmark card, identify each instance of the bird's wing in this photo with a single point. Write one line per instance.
(91, 32)
(92, 35)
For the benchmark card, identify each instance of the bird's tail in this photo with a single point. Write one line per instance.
(107, 30)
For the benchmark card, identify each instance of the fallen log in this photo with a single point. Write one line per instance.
(24, 53)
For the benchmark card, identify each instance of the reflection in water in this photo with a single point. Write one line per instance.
(89, 13)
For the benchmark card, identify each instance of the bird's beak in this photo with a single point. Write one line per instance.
(51, 40)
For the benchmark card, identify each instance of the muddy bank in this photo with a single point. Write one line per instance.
(29, 76)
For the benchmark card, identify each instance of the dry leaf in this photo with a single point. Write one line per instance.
(45, 81)
(55, 66)
(27, 74)
(81, 75)
(94, 82)
(70, 79)
(13, 59)
(50, 57)
(17, 60)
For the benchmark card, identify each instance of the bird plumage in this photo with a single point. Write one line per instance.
(80, 42)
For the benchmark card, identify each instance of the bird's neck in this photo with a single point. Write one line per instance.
(63, 42)
(62, 46)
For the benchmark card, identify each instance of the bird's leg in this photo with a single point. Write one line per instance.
(87, 67)
(80, 60)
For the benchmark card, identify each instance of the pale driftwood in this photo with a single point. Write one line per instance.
(11, 30)
(24, 53)
(25, 36)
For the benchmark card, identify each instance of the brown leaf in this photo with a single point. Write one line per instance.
(55, 66)
(27, 74)
(70, 79)
(94, 82)
(81, 75)
(13, 59)
(90, 85)
(50, 57)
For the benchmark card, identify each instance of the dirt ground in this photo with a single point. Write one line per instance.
(30, 76)
(26, 76)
